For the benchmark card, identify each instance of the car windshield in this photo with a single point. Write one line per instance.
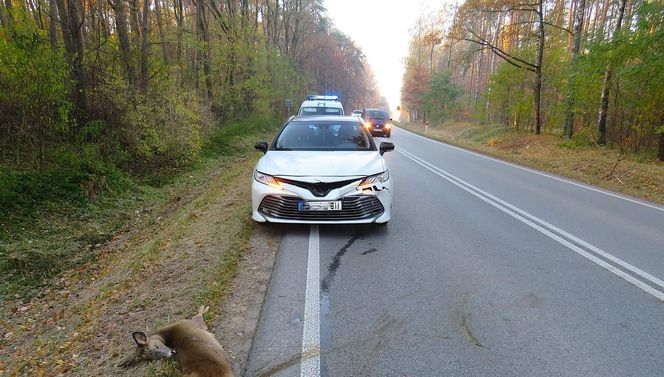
(320, 111)
(323, 136)
(376, 114)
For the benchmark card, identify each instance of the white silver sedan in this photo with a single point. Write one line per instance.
(321, 170)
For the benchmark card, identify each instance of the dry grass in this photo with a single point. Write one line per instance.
(633, 175)
(155, 271)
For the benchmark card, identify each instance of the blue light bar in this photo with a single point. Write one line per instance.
(322, 98)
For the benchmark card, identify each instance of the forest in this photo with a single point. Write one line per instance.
(94, 92)
(590, 71)
(136, 83)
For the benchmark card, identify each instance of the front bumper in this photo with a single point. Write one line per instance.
(382, 130)
(270, 204)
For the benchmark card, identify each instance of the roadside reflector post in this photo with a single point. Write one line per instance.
(289, 105)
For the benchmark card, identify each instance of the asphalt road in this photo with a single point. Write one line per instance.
(486, 269)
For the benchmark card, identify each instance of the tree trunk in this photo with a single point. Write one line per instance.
(8, 18)
(69, 19)
(52, 19)
(604, 99)
(572, 14)
(35, 14)
(120, 9)
(578, 26)
(145, 45)
(538, 71)
(276, 25)
(135, 24)
(205, 36)
(160, 26)
(66, 32)
(3, 18)
(179, 16)
(197, 35)
(76, 25)
(602, 22)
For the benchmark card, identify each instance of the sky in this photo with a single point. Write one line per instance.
(381, 29)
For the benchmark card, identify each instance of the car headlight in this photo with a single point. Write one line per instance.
(367, 124)
(373, 180)
(388, 125)
(267, 179)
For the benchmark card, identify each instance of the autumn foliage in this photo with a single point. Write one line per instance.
(594, 65)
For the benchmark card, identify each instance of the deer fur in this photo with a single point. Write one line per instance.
(197, 350)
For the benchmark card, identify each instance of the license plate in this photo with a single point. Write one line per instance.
(319, 206)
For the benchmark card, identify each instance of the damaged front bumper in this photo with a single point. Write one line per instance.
(370, 204)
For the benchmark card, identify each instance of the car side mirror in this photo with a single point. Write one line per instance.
(386, 147)
(391, 120)
(261, 146)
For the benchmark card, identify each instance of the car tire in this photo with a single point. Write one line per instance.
(388, 134)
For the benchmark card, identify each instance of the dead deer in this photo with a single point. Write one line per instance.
(197, 350)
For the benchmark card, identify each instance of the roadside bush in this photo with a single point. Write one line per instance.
(143, 132)
(34, 99)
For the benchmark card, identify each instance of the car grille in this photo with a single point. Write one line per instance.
(319, 189)
(357, 207)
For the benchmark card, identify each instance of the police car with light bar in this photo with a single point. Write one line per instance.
(321, 105)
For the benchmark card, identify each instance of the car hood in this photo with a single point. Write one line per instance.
(321, 163)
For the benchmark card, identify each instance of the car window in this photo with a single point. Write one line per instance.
(323, 136)
(320, 111)
(376, 114)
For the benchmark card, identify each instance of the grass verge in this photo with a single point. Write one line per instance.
(638, 175)
(47, 225)
(180, 251)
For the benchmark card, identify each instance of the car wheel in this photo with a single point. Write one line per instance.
(388, 134)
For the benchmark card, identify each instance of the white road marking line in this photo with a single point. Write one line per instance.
(653, 206)
(310, 364)
(541, 226)
(552, 227)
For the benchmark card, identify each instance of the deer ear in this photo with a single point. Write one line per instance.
(140, 338)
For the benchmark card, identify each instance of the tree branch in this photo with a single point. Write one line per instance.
(558, 27)
(505, 56)
(499, 51)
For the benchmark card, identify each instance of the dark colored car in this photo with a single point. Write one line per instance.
(378, 122)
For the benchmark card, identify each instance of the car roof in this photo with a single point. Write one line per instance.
(322, 98)
(322, 103)
(325, 118)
